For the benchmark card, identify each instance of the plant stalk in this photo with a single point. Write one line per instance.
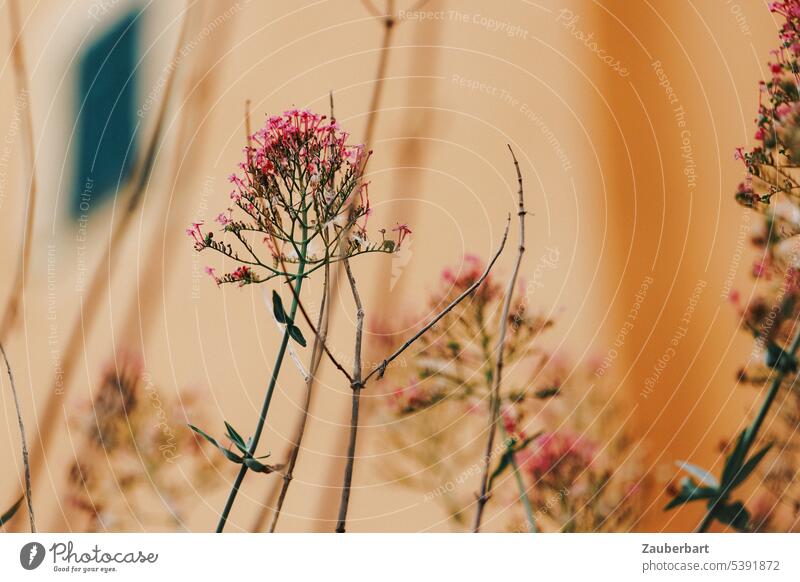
(356, 385)
(23, 441)
(523, 492)
(270, 389)
(483, 496)
(752, 431)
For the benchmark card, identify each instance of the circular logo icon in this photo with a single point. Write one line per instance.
(31, 555)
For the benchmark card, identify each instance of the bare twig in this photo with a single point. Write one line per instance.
(23, 440)
(381, 369)
(371, 8)
(21, 75)
(389, 21)
(318, 335)
(311, 379)
(356, 386)
(498, 373)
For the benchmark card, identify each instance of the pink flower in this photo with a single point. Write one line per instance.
(557, 458)
(243, 275)
(210, 272)
(782, 110)
(761, 268)
(402, 231)
(196, 234)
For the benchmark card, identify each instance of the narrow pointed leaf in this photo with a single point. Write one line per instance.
(734, 515)
(691, 491)
(277, 308)
(11, 511)
(205, 435)
(236, 438)
(749, 466)
(699, 473)
(231, 456)
(734, 460)
(505, 462)
(297, 335)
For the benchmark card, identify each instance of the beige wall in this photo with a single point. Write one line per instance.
(614, 201)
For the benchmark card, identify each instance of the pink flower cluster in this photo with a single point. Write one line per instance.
(300, 182)
(468, 272)
(778, 122)
(557, 458)
(297, 146)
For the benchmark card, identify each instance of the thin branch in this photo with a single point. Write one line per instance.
(23, 440)
(483, 497)
(381, 369)
(523, 492)
(320, 336)
(389, 21)
(21, 75)
(356, 385)
(371, 8)
(316, 360)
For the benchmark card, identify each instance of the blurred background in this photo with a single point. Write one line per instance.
(624, 116)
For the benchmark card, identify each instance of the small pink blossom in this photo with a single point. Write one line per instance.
(402, 231)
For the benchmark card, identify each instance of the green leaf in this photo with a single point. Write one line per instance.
(277, 308)
(780, 360)
(505, 462)
(12, 510)
(297, 335)
(231, 456)
(749, 466)
(699, 473)
(734, 515)
(522, 445)
(734, 461)
(691, 491)
(236, 438)
(205, 435)
(388, 246)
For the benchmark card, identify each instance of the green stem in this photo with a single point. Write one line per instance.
(752, 431)
(270, 389)
(523, 492)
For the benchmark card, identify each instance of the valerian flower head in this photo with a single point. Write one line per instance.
(772, 188)
(300, 196)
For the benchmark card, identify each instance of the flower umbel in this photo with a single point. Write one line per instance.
(300, 188)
